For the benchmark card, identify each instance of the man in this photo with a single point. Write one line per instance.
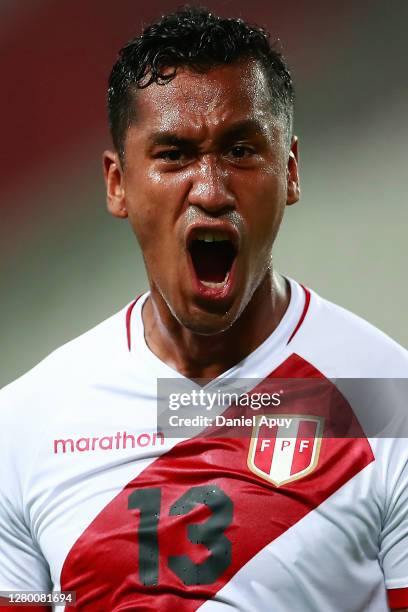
(93, 499)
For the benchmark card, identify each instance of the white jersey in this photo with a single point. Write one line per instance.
(94, 500)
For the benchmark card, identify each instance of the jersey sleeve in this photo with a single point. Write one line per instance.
(22, 566)
(394, 537)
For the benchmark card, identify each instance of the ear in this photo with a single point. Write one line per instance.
(115, 193)
(293, 188)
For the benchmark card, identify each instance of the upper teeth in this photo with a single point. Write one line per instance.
(212, 236)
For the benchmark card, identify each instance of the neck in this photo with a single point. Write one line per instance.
(198, 356)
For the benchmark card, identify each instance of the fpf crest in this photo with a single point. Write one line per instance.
(283, 454)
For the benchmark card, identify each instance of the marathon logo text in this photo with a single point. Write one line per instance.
(120, 441)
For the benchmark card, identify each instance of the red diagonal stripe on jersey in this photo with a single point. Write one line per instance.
(102, 566)
(397, 598)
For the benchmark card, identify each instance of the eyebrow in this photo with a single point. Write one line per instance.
(169, 138)
(241, 129)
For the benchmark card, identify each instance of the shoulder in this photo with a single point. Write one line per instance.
(340, 343)
(34, 397)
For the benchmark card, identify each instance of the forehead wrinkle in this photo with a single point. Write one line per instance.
(206, 92)
(220, 132)
(209, 95)
(197, 118)
(195, 104)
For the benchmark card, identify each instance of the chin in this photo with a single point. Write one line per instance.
(206, 323)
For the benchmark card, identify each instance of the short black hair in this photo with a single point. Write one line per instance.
(196, 38)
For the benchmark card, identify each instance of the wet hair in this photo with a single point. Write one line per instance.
(196, 38)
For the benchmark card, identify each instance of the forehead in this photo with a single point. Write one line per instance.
(212, 99)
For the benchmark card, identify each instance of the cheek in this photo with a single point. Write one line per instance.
(153, 203)
(145, 206)
(267, 200)
(154, 198)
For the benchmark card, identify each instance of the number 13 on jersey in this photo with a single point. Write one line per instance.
(209, 533)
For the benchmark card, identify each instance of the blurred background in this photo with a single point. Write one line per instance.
(65, 265)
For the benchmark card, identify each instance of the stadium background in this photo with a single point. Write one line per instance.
(66, 265)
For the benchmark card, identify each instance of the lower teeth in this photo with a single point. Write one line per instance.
(215, 285)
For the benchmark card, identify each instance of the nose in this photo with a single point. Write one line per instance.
(209, 190)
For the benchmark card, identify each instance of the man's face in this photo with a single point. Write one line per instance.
(206, 178)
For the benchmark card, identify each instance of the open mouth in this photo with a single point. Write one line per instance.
(212, 254)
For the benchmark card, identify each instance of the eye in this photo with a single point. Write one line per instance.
(241, 152)
(171, 155)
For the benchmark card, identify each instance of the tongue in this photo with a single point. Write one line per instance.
(212, 260)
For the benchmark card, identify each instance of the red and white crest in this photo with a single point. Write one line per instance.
(286, 451)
